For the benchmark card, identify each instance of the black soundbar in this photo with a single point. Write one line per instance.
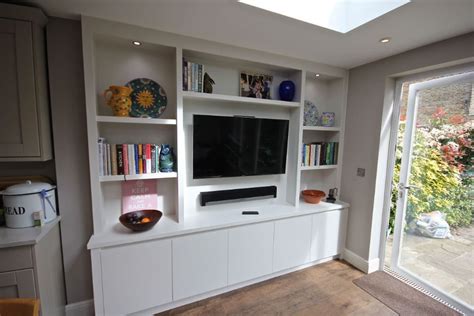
(223, 195)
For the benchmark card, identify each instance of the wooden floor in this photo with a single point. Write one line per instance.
(325, 289)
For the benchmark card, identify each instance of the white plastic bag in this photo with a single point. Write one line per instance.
(433, 225)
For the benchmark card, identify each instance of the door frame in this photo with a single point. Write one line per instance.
(397, 82)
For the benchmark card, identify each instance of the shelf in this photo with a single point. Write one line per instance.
(134, 120)
(321, 128)
(190, 95)
(318, 167)
(160, 175)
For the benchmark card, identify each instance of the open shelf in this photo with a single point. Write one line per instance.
(159, 175)
(321, 128)
(134, 120)
(325, 167)
(190, 95)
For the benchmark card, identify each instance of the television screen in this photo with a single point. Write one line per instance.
(225, 146)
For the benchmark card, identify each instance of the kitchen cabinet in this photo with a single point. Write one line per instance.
(292, 242)
(199, 263)
(146, 266)
(31, 266)
(25, 131)
(328, 234)
(250, 252)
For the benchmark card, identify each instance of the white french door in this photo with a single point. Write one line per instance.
(404, 190)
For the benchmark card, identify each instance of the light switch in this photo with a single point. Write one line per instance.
(360, 172)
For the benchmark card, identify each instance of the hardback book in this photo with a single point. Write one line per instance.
(109, 165)
(140, 158)
(125, 159)
(136, 160)
(190, 71)
(313, 155)
(185, 75)
(157, 162)
(113, 153)
(199, 84)
(153, 158)
(119, 160)
(131, 159)
(148, 158)
(100, 149)
(196, 77)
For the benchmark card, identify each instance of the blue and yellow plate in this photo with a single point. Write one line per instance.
(148, 98)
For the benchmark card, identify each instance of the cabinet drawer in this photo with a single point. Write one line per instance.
(15, 258)
(17, 284)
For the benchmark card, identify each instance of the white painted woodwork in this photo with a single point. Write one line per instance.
(136, 277)
(292, 242)
(199, 263)
(328, 234)
(250, 251)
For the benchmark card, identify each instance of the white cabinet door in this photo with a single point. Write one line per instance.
(199, 263)
(250, 251)
(328, 236)
(136, 277)
(292, 242)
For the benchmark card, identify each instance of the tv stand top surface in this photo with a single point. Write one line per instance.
(116, 234)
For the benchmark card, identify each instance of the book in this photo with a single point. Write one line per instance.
(148, 158)
(158, 151)
(199, 83)
(108, 159)
(185, 75)
(119, 160)
(131, 159)
(125, 159)
(196, 77)
(136, 159)
(153, 158)
(100, 150)
(140, 159)
(113, 149)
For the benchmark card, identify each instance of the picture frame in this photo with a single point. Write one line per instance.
(255, 85)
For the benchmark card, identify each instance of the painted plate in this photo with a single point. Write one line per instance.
(148, 98)
(311, 114)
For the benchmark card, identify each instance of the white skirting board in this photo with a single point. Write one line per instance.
(360, 263)
(83, 308)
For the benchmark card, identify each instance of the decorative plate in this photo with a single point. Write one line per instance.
(311, 114)
(148, 98)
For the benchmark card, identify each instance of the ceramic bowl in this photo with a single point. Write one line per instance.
(134, 220)
(313, 196)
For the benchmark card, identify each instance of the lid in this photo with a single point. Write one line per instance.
(27, 188)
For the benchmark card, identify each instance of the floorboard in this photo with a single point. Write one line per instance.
(325, 289)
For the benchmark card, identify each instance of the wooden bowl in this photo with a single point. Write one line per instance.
(134, 220)
(313, 196)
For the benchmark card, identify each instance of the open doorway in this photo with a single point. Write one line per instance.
(430, 238)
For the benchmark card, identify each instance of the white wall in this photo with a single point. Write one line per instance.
(367, 130)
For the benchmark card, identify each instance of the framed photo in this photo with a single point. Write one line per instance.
(255, 85)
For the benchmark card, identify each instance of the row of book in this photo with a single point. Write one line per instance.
(128, 159)
(319, 154)
(193, 75)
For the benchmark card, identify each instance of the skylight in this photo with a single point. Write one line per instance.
(337, 15)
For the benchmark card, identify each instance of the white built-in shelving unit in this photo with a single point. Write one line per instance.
(111, 59)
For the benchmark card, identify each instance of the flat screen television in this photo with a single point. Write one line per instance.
(226, 146)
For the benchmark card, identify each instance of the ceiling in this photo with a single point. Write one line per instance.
(415, 24)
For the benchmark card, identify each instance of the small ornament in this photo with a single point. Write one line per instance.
(287, 90)
(166, 158)
(332, 195)
(118, 98)
(208, 82)
(327, 119)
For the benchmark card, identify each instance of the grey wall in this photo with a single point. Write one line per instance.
(66, 81)
(367, 88)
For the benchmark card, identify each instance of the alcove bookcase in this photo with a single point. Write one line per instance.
(110, 58)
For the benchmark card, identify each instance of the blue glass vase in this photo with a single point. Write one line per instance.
(166, 158)
(287, 90)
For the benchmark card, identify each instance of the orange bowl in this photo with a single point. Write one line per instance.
(313, 196)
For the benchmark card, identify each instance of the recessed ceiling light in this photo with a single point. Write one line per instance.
(385, 40)
(337, 15)
(136, 43)
(317, 75)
